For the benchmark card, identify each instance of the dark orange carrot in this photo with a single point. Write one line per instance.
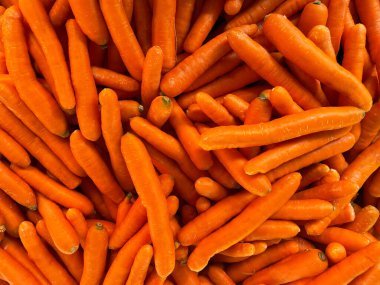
(273, 230)
(142, 15)
(112, 79)
(140, 265)
(202, 204)
(314, 13)
(79, 223)
(337, 162)
(183, 275)
(129, 109)
(159, 111)
(283, 102)
(114, 61)
(218, 276)
(123, 208)
(290, 8)
(196, 115)
(210, 189)
(11, 213)
(221, 175)
(335, 21)
(59, 13)
(183, 17)
(365, 219)
(369, 277)
(13, 151)
(232, 7)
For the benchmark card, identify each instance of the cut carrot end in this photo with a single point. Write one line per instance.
(322, 256)
(65, 134)
(141, 109)
(73, 249)
(166, 100)
(317, 2)
(99, 226)
(33, 208)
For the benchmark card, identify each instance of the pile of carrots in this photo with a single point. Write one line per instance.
(189, 142)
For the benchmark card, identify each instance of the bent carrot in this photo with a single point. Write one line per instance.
(335, 252)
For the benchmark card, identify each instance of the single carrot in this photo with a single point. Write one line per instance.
(23, 75)
(253, 14)
(331, 177)
(91, 161)
(129, 109)
(140, 265)
(273, 230)
(240, 249)
(181, 253)
(41, 256)
(35, 15)
(202, 204)
(78, 221)
(123, 208)
(183, 275)
(123, 36)
(259, 110)
(232, 7)
(369, 277)
(13, 151)
(280, 129)
(346, 215)
(245, 222)
(210, 189)
(83, 83)
(291, 7)
(218, 276)
(286, 151)
(221, 175)
(111, 79)
(337, 162)
(59, 13)
(313, 173)
(183, 17)
(11, 213)
(364, 220)
(151, 75)
(335, 252)
(308, 209)
(349, 268)
(235, 106)
(328, 192)
(203, 25)
(283, 102)
(159, 111)
(137, 158)
(142, 15)
(314, 13)
(320, 35)
(196, 115)
(335, 21)
(333, 75)
(95, 249)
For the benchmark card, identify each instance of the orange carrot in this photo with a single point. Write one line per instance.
(123, 36)
(320, 35)
(91, 161)
(218, 276)
(11, 213)
(202, 204)
(232, 7)
(140, 265)
(314, 13)
(240, 249)
(273, 230)
(335, 21)
(35, 15)
(310, 209)
(335, 252)
(13, 151)
(369, 277)
(143, 23)
(259, 110)
(337, 162)
(78, 221)
(183, 18)
(159, 111)
(235, 106)
(313, 173)
(129, 109)
(59, 13)
(330, 177)
(221, 175)
(203, 25)
(364, 220)
(111, 79)
(210, 189)
(291, 7)
(283, 102)
(83, 83)
(333, 75)
(183, 275)
(123, 209)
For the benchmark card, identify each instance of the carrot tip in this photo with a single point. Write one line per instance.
(129, 196)
(166, 100)
(99, 226)
(322, 256)
(141, 109)
(33, 207)
(263, 96)
(73, 249)
(317, 2)
(66, 134)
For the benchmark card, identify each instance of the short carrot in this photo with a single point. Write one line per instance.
(202, 204)
(283, 102)
(112, 79)
(240, 249)
(259, 110)
(335, 252)
(313, 173)
(218, 276)
(315, 13)
(364, 220)
(159, 111)
(140, 265)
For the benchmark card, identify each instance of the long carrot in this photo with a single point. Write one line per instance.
(314, 13)
(273, 230)
(142, 15)
(112, 79)
(140, 265)
(23, 75)
(310, 209)
(245, 222)
(83, 83)
(218, 276)
(123, 36)
(11, 213)
(137, 158)
(184, 13)
(35, 15)
(333, 75)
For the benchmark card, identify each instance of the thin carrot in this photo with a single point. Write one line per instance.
(35, 15)
(142, 15)
(151, 75)
(123, 208)
(364, 220)
(223, 238)
(210, 189)
(137, 158)
(335, 21)
(291, 7)
(314, 13)
(91, 161)
(13, 151)
(183, 275)
(59, 13)
(203, 25)
(111, 206)
(140, 265)
(313, 173)
(159, 111)
(308, 209)
(123, 36)
(83, 83)
(111, 79)
(41, 256)
(183, 16)
(95, 250)
(23, 75)
(236, 106)
(288, 150)
(283, 102)
(333, 75)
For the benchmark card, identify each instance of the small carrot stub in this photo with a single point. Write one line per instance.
(159, 111)
(335, 252)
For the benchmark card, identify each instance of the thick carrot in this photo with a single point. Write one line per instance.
(163, 30)
(333, 75)
(364, 220)
(92, 162)
(314, 13)
(253, 14)
(283, 102)
(151, 76)
(273, 230)
(159, 111)
(96, 245)
(40, 255)
(142, 15)
(90, 19)
(123, 36)
(83, 83)
(183, 275)
(183, 16)
(335, 21)
(187, 71)
(335, 252)
(13, 151)
(140, 265)
(308, 209)
(236, 106)
(349, 268)
(369, 277)
(254, 54)
(32, 93)
(218, 276)
(287, 127)
(35, 15)
(137, 159)
(232, 7)
(245, 222)
(203, 25)
(59, 13)
(259, 110)
(210, 189)
(291, 7)
(112, 79)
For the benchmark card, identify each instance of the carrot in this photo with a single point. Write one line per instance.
(159, 111)
(335, 21)
(11, 213)
(129, 109)
(259, 110)
(90, 20)
(13, 271)
(346, 215)
(202, 204)
(41, 256)
(232, 7)
(349, 268)
(314, 13)
(143, 23)
(35, 15)
(183, 16)
(183, 275)
(203, 25)
(78, 221)
(151, 75)
(369, 277)
(313, 173)
(23, 75)
(241, 270)
(335, 252)
(253, 14)
(283, 102)
(13, 151)
(95, 249)
(111, 206)
(218, 276)
(240, 250)
(88, 157)
(331, 177)
(57, 145)
(308, 209)
(337, 162)
(333, 75)
(235, 106)
(137, 159)
(83, 83)
(320, 35)
(123, 209)
(245, 222)
(123, 36)
(59, 13)
(369, 11)
(364, 220)
(273, 230)
(291, 7)
(254, 54)
(216, 216)
(187, 71)
(140, 265)
(252, 135)
(221, 175)
(111, 79)
(291, 149)
(154, 279)
(210, 189)
(196, 115)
